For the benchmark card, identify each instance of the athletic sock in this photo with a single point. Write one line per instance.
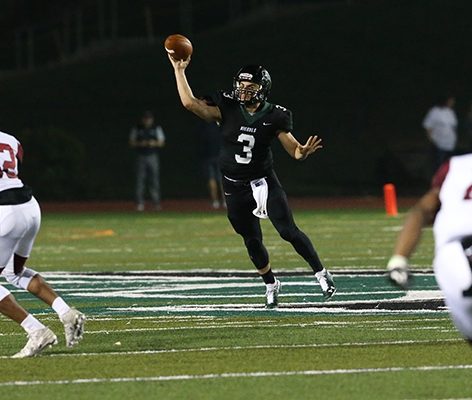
(268, 277)
(321, 273)
(60, 306)
(30, 324)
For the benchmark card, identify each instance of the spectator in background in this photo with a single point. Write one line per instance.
(147, 137)
(440, 124)
(210, 144)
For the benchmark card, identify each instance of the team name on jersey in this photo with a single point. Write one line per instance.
(247, 129)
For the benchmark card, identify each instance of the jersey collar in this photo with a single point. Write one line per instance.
(251, 118)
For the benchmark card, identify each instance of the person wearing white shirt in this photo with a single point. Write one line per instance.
(440, 124)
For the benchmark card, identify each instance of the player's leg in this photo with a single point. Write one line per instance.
(22, 277)
(10, 308)
(39, 335)
(453, 272)
(214, 183)
(219, 182)
(213, 190)
(282, 218)
(140, 182)
(208, 173)
(154, 180)
(239, 208)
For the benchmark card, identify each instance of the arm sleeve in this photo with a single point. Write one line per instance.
(215, 99)
(285, 121)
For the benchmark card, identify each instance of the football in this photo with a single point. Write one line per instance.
(178, 46)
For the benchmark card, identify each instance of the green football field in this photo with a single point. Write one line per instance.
(175, 311)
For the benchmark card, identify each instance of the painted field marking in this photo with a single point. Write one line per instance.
(259, 309)
(239, 375)
(240, 292)
(213, 323)
(262, 324)
(251, 347)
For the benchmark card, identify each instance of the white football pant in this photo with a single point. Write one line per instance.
(19, 225)
(454, 275)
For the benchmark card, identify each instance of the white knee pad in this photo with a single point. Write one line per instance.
(4, 292)
(21, 280)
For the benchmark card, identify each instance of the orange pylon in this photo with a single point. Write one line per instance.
(390, 199)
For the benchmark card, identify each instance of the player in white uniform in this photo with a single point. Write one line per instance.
(449, 204)
(20, 218)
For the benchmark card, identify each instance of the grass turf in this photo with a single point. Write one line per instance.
(201, 355)
(123, 242)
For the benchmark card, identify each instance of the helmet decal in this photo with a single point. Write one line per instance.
(244, 76)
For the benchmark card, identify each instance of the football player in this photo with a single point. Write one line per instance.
(248, 124)
(449, 205)
(20, 218)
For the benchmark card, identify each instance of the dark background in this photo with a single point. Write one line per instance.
(75, 75)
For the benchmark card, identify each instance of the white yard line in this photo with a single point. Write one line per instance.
(205, 322)
(211, 319)
(243, 274)
(263, 324)
(151, 293)
(287, 308)
(239, 375)
(253, 347)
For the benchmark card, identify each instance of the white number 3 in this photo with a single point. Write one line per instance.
(249, 141)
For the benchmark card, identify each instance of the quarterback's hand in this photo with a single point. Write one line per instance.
(179, 64)
(312, 144)
(398, 272)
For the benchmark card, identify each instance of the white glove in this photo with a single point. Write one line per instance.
(399, 272)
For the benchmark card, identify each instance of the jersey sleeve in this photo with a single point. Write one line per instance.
(285, 123)
(208, 99)
(215, 99)
(223, 100)
(440, 176)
